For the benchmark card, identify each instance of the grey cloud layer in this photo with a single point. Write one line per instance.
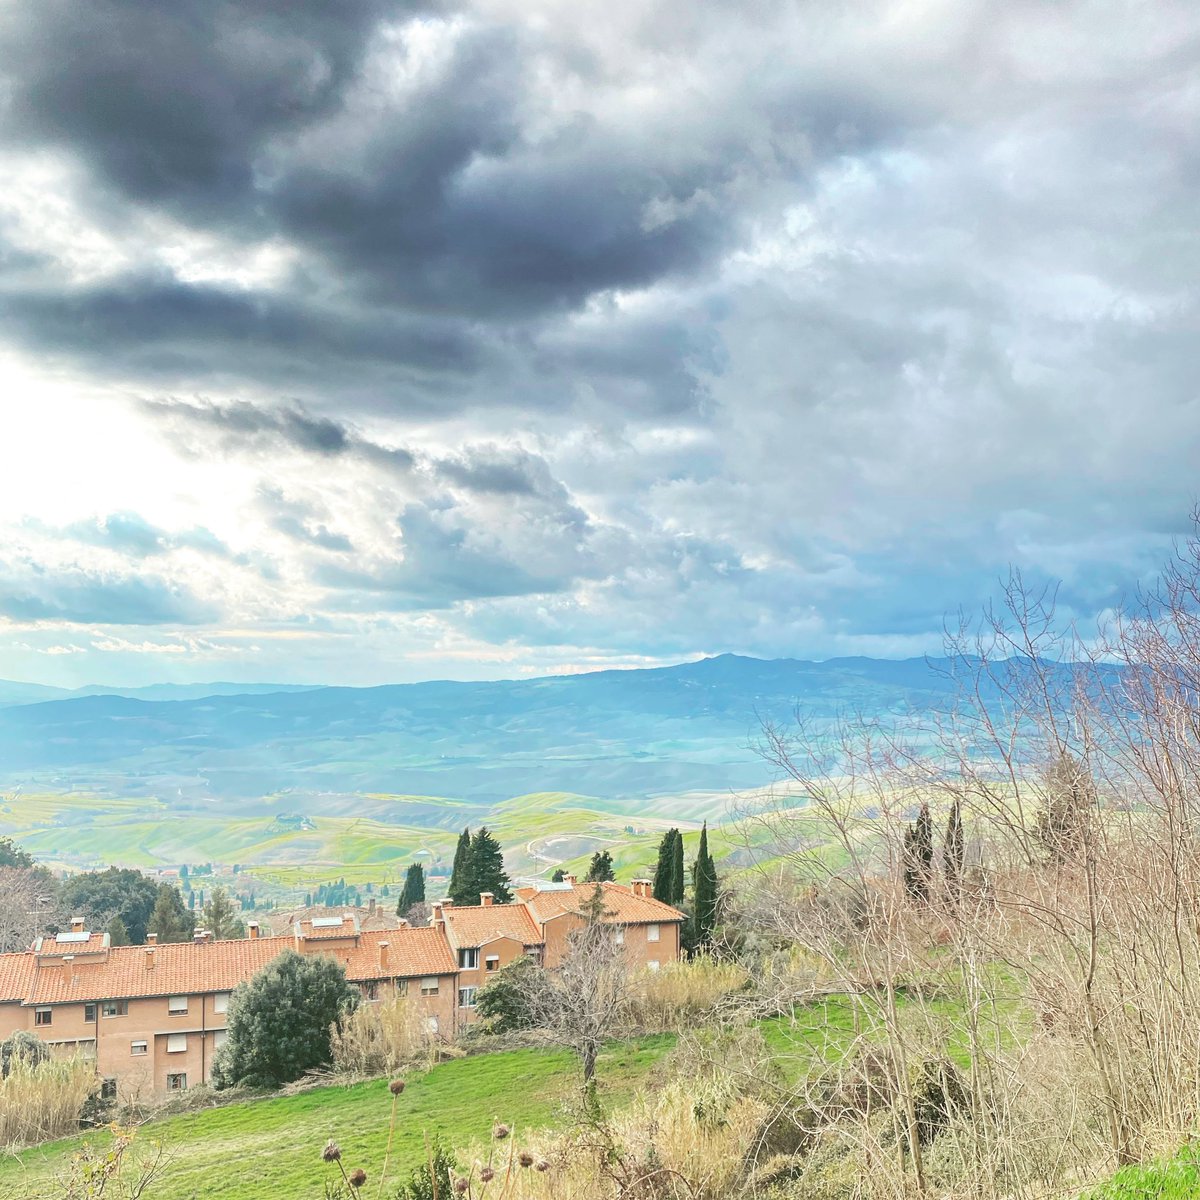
(770, 327)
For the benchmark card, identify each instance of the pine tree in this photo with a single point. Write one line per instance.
(954, 852)
(170, 921)
(414, 889)
(677, 871)
(118, 935)
(486, 866)
(704, 891)
(460, 873)
(664, 870)
(558, 876)
(220, 918)
(601, 869)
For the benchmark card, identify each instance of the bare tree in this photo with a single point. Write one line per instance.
(585, 1002)
(28, 905)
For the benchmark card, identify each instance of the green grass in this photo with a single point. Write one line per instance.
(272, 1147)
(1176, 1178)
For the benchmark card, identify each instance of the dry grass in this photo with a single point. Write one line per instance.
(682, 993)
(379, 1039)
(43, 1101)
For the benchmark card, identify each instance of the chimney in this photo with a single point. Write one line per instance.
(201, 937)
(371, 907)
(436, 918)
(152, 939)
(487, 899)
(252, 929)
(69, 967)
(383, 956)
(447, 903)
(641, 887)
(76, 924)
(149, 958)
(569, 879)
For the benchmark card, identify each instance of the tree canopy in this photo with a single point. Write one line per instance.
(279, 1021)
(171, 921)
(413, 891)
(601, 869)
(11, 855)
(119, 891)
(220, 917)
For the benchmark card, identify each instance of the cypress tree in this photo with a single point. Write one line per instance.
(486, 870)
(704, 891)
(917, 856)
(677, 872)
(954, 851)
(170, 921)
(664, 871)
(414, 889)
(460, 873)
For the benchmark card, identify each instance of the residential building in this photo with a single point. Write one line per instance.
(153, 1016)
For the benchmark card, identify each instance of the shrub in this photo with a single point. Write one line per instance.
(22, 1045)
(279, 1022)
(502, 1004)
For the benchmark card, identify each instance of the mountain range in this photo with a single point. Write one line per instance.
(610, 734)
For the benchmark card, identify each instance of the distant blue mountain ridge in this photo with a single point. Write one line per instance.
(614, 734)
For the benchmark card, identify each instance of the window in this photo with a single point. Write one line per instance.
(108, 1089)
(492, 962)
(220, 1037)
(466, 997)
(652, 964)
(652, 933)
(176, 1083)
(114, 1008)
(139, 1048)
(89, 1012)
(401, 987)
(43, 1016)
(176, 1043)
(468, 960)
(431, 1023)
(221, 1002)
(620, 935)
(429, 986)
(370, 990)
(177, 1004)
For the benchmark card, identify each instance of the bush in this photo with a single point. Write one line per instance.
(502, 1004)
(280, 1021)
(22, 1045)
(681, 992)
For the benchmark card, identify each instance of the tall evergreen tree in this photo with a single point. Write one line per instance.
(917, 856)
(664, 869)
(460, 873)
(954, 858)
(170, 921)
(220, 917)
(118, 935)
(486, 870)
(414, 889)
(601, 869)
(558, 876)
(704, 892)
(677, 871)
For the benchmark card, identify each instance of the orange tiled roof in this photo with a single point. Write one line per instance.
(619, 901)
(473, 925)
(70, 943)
(190, 969)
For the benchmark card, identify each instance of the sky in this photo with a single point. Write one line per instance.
(368, 342)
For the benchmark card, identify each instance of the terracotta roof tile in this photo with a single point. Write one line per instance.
(190, 969)
(625, 908)
(473, 925)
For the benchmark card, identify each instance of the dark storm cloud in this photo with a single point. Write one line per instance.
(241, 426)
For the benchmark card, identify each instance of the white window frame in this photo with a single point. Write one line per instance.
(466, 996)
(180, 1085)
(221, 1002)
(136, 1052)
(492, 962)
(619, 935)
(468, 958)
(220, 1037)
(177, 1006)
(653, 933)
(429, 985)
(176, 1043)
